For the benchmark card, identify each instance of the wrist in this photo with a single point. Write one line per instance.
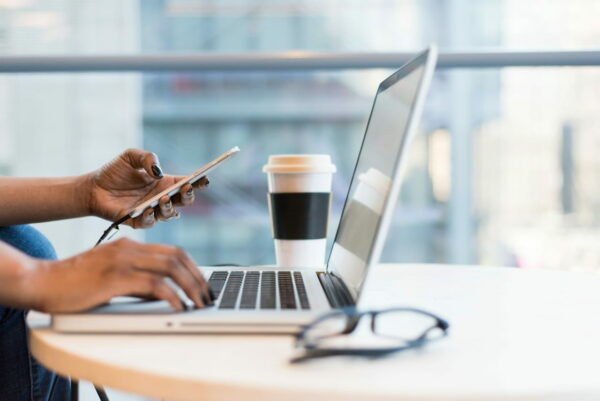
(31, 283)
(84, 193)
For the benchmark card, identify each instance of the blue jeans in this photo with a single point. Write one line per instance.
(22, 378)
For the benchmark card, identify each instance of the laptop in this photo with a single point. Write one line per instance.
(269, 300)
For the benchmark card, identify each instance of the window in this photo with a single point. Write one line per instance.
(503, 172)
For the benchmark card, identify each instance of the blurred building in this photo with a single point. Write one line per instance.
(504, 171)
(193, 117)
(67, 124)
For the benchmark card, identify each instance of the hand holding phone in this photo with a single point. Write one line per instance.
(169, 191)
(189, 179)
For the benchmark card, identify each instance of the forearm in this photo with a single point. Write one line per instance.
(33, 200)
(16, 268)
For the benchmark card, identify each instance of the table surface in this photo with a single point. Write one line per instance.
(515, 334)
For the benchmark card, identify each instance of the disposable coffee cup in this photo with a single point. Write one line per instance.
(299, 204)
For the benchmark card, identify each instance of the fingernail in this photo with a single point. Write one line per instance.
(168, 204)
(190, 192)
(157, 171)
(207, 300)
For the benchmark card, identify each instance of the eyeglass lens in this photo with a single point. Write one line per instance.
(405, 325)
(402, 325)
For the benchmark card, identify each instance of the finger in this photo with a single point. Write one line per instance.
(170, 266)
(188, 263)
(202, 183)
(186, 194)
(207, 294)
(165, 210)
(141, 159)
(178, 198)
(145, 220)
(151, 285)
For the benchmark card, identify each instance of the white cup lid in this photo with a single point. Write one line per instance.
(299, 164)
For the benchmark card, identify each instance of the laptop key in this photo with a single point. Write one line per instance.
(301, 289)
(267, 290)
(250, 291)
(217, 281)
(286, 290)
(232, 290)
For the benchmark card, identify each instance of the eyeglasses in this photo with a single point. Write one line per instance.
(391, 330)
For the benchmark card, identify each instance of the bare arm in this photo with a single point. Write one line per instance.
(34, 200)
(109, 192)
(15, 268)
(122, 267)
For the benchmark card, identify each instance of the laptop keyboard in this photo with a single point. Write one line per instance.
(259, 290)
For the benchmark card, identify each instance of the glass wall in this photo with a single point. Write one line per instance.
(503, 171)
(293, 112)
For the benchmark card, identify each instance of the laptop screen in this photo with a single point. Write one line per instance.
(385, 137)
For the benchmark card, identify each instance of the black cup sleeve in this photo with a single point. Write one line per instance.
(299, 215)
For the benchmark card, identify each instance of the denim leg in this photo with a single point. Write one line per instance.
(22, 378)
(28, 240)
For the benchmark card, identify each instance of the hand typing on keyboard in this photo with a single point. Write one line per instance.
(122, 267)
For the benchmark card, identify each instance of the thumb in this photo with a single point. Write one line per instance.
(146, 160)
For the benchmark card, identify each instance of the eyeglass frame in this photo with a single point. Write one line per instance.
(353, 317)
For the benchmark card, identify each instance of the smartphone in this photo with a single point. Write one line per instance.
(190, 179)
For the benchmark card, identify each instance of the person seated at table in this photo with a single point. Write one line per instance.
(31, 277)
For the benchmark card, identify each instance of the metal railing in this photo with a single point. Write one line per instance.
(288, 61)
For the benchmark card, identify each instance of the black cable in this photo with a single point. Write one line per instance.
(74, 385)
(74, 390)
(113, 226)
(101, 393)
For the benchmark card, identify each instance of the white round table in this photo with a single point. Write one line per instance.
(515, 335)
